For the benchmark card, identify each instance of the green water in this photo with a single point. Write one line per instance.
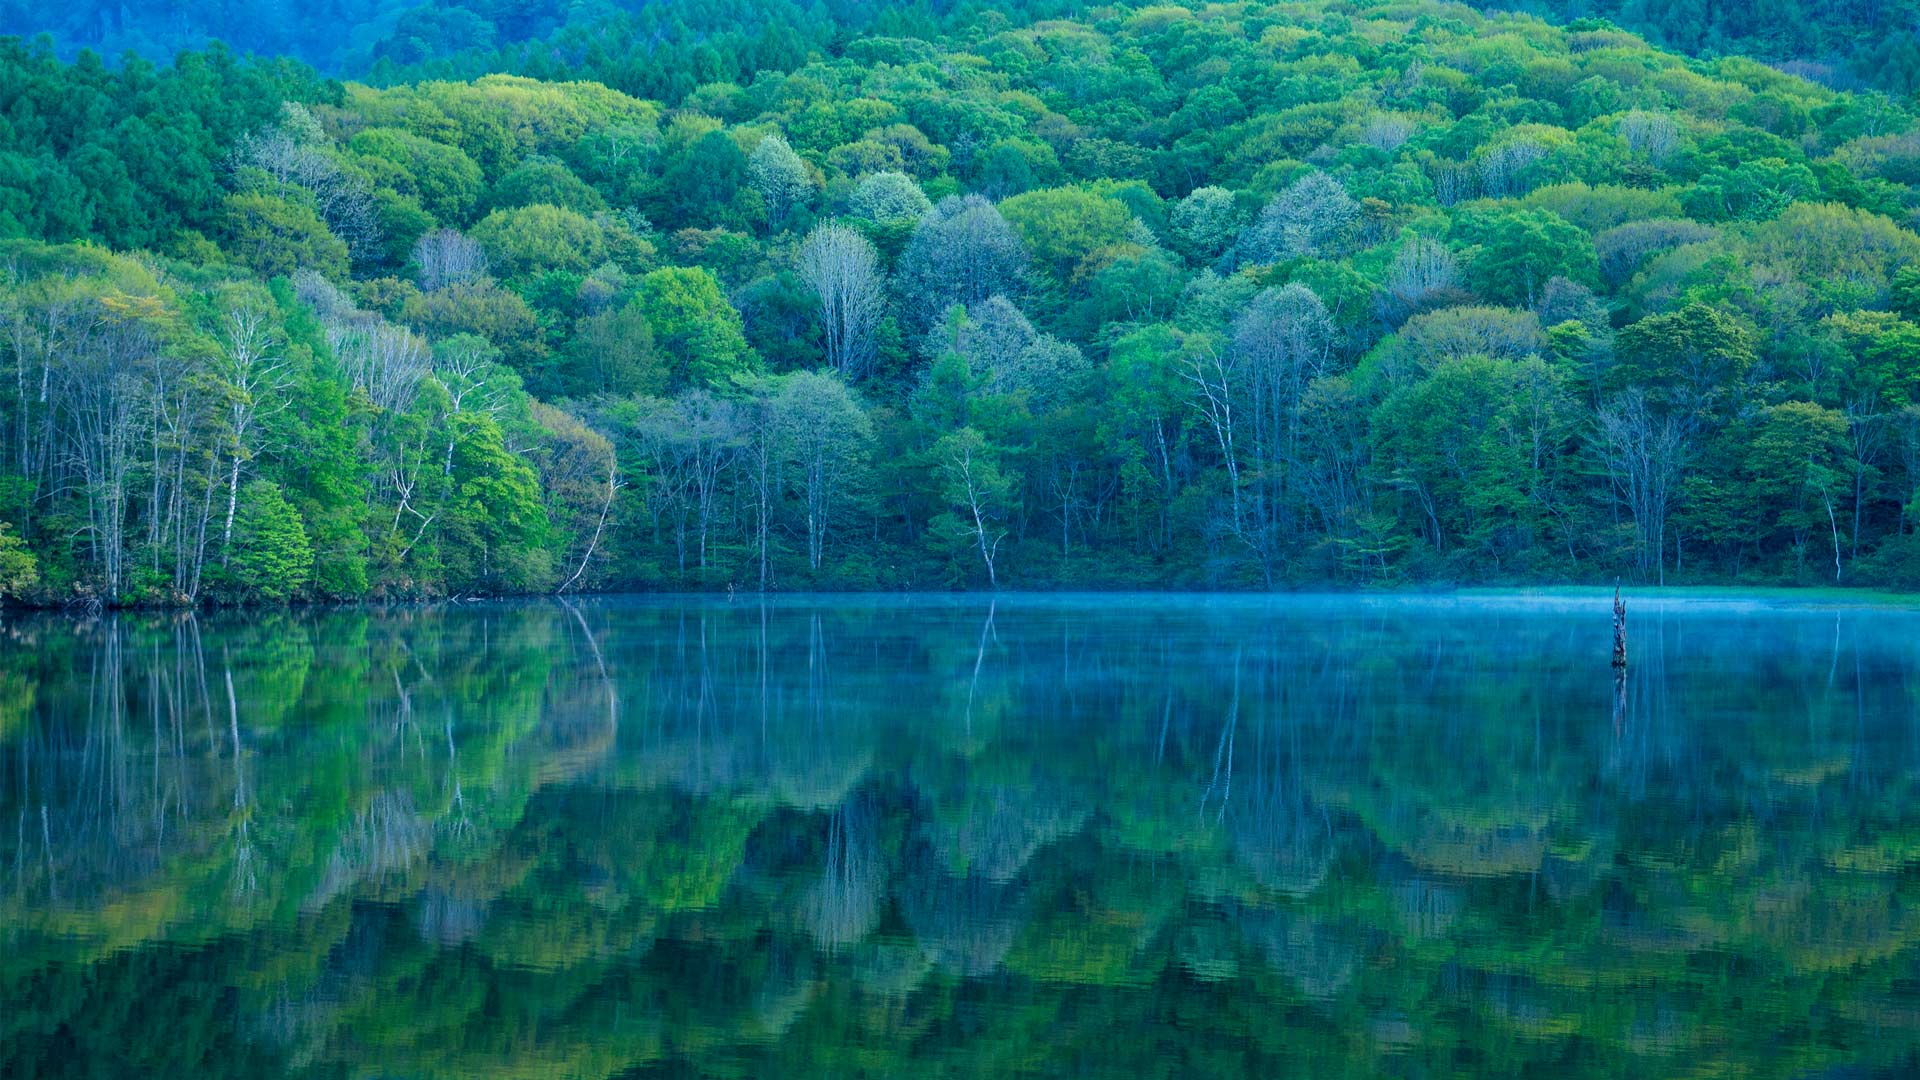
(1087, 836)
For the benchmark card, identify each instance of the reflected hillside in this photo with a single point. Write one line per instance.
(962, 836)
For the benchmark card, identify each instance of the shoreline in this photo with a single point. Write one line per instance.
(1824, 596)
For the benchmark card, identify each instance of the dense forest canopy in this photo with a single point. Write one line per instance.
(393, 39)
(1844, 43)
(1241, 295)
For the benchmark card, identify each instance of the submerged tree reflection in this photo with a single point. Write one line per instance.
(943, 835)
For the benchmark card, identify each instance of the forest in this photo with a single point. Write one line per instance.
(1351, 293)
(1842, 43)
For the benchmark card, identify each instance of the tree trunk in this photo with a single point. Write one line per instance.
(233, 504)
(1619, 630)
(1834, 525)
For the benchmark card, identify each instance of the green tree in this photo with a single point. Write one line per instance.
(695, 326)
(528, 239)
(703, 183)
(327, 481)
(441, 178)
(1062, 226)
(275, 236)
(1750, 191)
(1797, 461)
(780, 178)
(1697, 355)
(484, 309)
(544, 183)
(271, 558)
(1512, 254)
(889, 199)
(613, 352)
(1470, 447)
(19, 570)
(496, 524)
(1147, 391)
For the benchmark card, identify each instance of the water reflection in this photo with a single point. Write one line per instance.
(1112, 836)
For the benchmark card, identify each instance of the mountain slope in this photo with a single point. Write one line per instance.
(1239, 296)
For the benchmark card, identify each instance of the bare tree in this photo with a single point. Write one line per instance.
(760, 458)
(387, 362)
(1652, 134)
(295, 152)
(1453, 182)
(101, 404)
(1335, 446)
(465, 365)
(1868, 431)
(689, 444)
(104, 395)
(825, 436)
(190, 425)
(1388, 131)
(962, 253)
(1308, 218)
(843, 904)
(843, 271)
(580, 477)
(42, 325)
(978, 490)
(1423, 270)
(257, 377)
(1212, 380)
(1644, 455)
(1507, 169)
(1623, 248)
(1280, 345)
(323, 297)
(446, 257)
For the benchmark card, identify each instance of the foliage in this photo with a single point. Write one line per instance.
(19, 570)
(692, 321)
(271, 557)
(1233, 297)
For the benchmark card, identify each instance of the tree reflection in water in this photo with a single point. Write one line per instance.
(949, 835)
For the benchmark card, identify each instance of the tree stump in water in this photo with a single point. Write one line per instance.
(1619, 629)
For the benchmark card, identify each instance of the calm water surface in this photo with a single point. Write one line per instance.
(891, 837)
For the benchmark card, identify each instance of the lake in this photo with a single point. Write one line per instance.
(1102, 836)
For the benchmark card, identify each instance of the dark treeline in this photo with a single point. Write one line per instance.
(387, 36)
(1358, 293)
(1846, 43)
(648, 48)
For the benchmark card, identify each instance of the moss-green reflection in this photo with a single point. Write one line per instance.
(1119, 836)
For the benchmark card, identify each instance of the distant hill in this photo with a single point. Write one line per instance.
(358, 37)
(1844, 43)
(1841, 42)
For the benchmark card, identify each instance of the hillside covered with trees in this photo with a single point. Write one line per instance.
(1241, 296)
(1846, 43)
(390, 40)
